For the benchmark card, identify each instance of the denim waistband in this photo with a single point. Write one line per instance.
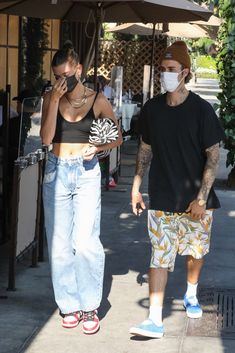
(65, 160)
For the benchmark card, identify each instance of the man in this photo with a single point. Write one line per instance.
(180, 136)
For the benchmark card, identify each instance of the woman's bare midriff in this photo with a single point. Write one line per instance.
(69, 149)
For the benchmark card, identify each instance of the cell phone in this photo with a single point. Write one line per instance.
(48, 89)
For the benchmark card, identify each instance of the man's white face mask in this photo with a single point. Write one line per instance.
(169, 80)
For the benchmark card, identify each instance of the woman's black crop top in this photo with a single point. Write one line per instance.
(74, 132)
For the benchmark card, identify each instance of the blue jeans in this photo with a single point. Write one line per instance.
(72, 205)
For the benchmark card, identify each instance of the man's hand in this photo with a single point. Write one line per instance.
(196, 212)
(137, 202)
(143, 160)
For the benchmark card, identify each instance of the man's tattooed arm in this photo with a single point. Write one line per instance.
(210, 169)
(143, 160)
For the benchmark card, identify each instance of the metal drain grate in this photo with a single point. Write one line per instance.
(218, 314)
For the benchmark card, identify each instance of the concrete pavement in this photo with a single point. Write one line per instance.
(29, 320)
(208, 89)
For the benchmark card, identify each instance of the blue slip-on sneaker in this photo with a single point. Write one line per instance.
(147, 329)
(192, 307)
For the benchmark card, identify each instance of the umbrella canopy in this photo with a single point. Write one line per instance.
(110, 11)
(135, 28)
(213, 21)
(185, 30)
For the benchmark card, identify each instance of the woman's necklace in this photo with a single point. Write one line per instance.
(77, 102)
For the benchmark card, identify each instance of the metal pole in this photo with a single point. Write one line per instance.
(97, 35)
(107, 164)
(41, 223)
(41, 236)
(5, 183)
(14, 225)
(152, 60)
(20, 54)
(35, 252)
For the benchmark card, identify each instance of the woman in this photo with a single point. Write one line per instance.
(71, 192)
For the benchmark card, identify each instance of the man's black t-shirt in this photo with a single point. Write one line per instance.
(178, 136)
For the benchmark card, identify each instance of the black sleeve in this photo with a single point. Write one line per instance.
(212, 131)
(144, 125)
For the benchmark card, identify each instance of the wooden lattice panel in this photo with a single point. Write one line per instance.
(132, 55)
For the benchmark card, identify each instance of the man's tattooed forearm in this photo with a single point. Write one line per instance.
(144, 157)
(209, 171)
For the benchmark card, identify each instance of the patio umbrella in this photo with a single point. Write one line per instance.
(135, 28)
(213, 21)
(109, 11)
(112, 11)
(185, 30)
(211, 26)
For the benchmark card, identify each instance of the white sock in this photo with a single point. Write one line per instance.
(191, 290)
(155, 314)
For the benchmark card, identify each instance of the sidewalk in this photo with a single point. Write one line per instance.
(208, 89)
(29, 321)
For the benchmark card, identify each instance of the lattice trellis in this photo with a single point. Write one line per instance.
(132, 55)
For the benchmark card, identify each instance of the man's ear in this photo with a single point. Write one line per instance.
(186, 72)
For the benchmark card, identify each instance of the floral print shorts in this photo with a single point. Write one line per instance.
(171, 233)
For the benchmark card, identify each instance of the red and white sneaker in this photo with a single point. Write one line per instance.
(91, 323)
(71, 320)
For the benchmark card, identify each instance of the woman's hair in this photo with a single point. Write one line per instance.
(66, 54)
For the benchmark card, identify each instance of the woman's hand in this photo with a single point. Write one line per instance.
(59, 88)
(89, 153)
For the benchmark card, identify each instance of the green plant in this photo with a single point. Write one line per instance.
(35, 41)
(226, 70)
(206, 61)
(212, 4)
(201, 45)
(208, 75)
(107, 35)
